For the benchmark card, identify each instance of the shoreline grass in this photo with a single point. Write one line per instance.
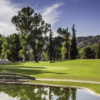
(95, 88)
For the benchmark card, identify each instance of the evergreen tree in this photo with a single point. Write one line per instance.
(51, 49)
(66, 46)
(64, 51)
(98, 51)
(57, 44)
(73, 47)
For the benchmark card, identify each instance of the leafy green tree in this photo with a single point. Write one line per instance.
(15, 47)
(81, 54)
(73, 47)
(23, 22)
(37, 36)
(95, 49)
(6, 47)
(98, 51)
(23, 43)
(44, 56)
(87, 53)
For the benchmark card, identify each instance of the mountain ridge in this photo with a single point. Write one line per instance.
(84, 41)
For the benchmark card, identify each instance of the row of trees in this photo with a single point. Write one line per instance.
(61, 47)
(32, 31)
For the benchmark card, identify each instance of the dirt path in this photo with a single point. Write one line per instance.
(67, 80)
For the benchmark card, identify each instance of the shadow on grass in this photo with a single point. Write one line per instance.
(21, 62)
(22, 67)
(55, 72)
(22, 71)
(29, 70)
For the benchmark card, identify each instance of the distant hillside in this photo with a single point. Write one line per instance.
(83, 41)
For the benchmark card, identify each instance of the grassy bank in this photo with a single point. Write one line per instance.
(88, 70)
(93, 87)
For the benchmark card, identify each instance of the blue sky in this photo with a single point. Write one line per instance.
(85, 14)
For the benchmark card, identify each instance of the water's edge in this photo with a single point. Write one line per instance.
(50, 85)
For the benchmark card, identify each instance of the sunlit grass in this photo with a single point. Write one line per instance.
(72, 69)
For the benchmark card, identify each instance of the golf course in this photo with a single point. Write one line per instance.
(84, 70)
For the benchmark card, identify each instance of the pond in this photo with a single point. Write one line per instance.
(30, 92)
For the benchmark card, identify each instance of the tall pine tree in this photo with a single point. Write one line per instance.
(51, 46)
(73, 48)
(66, 46)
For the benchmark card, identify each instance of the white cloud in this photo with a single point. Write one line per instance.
(51, 14)
(7, 11)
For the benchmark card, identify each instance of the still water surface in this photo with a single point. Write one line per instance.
(29, 92)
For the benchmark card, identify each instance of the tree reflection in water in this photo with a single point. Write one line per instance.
(29, 92)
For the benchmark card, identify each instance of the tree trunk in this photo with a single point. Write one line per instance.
(50, 61)
(51, 52)
(36, 58)
(23, 60)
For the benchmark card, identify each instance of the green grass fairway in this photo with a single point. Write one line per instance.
(73, 69)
